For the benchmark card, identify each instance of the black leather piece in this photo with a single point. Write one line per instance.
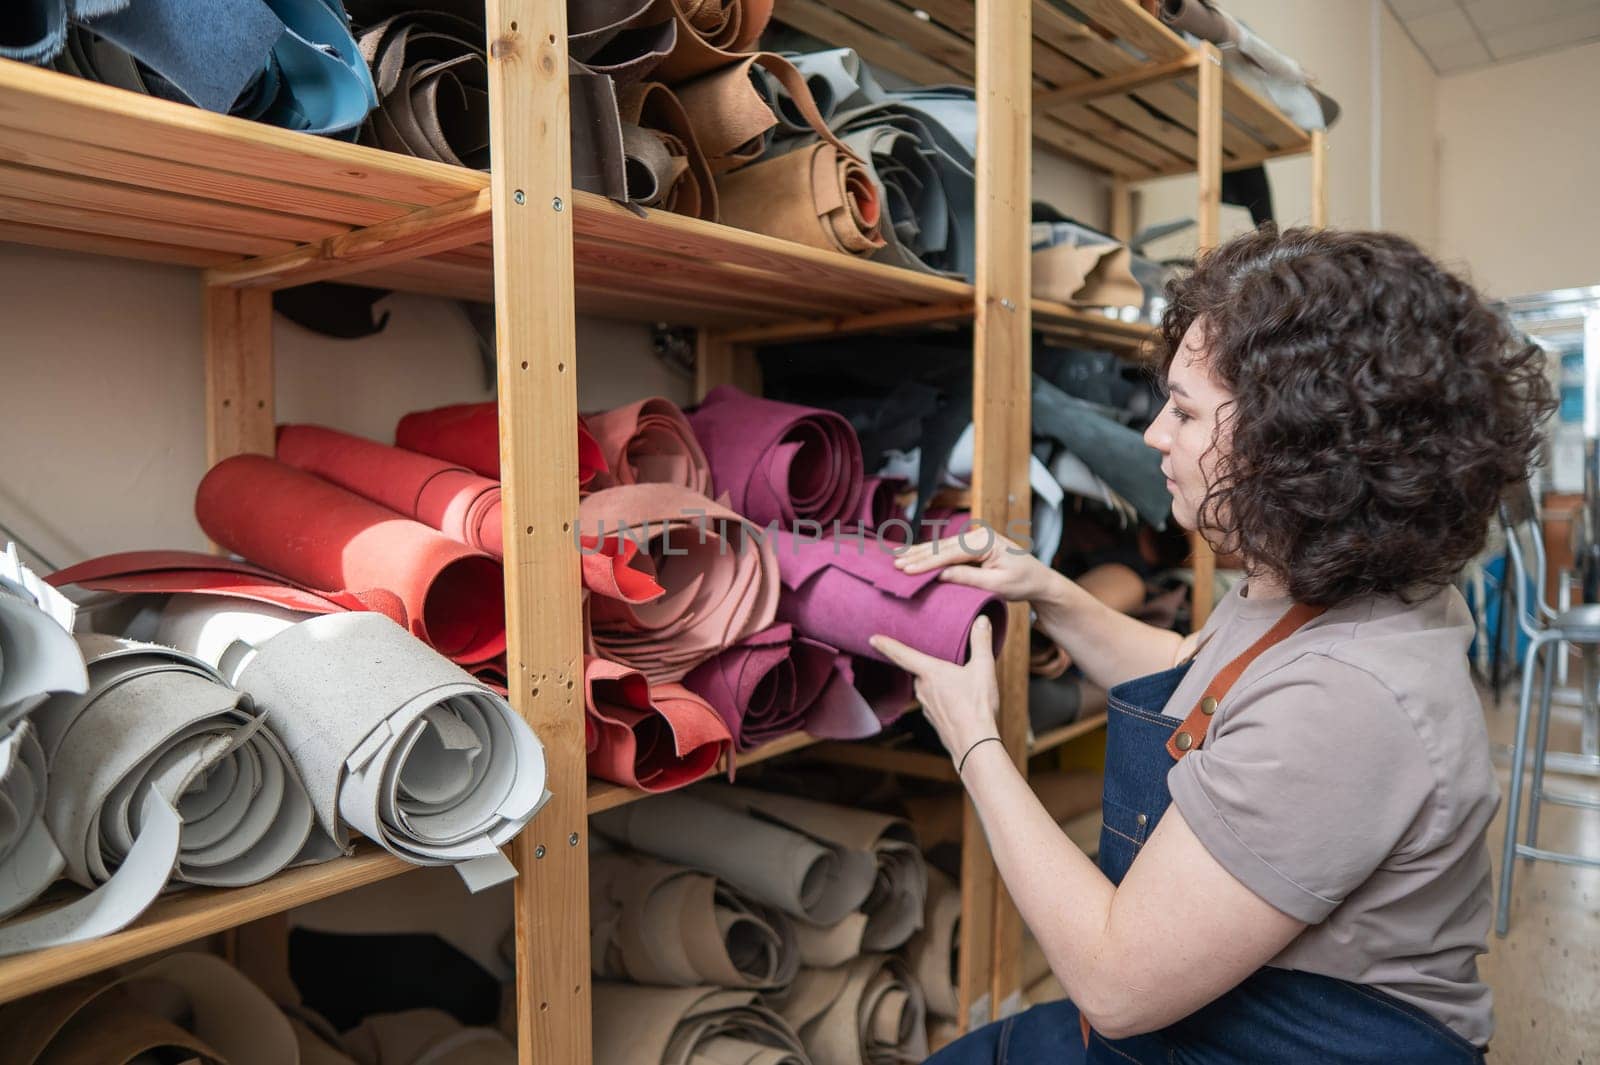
(332, 309)
(348, 977)
(1250, 189)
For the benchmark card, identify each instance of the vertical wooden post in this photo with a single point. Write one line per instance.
(717, 361)
(1120, 215)
(238, 351)
(1319, 178)
(1209, 216)
(1002, 371)
(535, 325)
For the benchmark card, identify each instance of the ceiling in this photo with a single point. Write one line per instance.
(1459, 35)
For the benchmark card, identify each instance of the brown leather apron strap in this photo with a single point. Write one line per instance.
(1192, 733)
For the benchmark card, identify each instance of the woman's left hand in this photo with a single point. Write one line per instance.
(960, 701)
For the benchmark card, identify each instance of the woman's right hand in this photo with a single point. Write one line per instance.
(981, 558)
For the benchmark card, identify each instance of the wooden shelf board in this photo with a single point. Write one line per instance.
(1143, 126)
(929, 765)
(1049, 741)
(1063, 320)
(604, 795)
(89, 167)
(188, 915)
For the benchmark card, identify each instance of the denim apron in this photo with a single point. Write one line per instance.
(1276, 1016)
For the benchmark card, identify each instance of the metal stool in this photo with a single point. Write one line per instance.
(1547, 631)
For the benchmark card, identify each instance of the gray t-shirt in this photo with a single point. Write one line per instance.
(1346, 780)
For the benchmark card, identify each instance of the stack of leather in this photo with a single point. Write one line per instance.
(663, 100)
(749, 891)
(293, 65)
(196, 1008)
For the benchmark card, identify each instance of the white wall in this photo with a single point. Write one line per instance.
(1519, 155)
(102, 436)
(1381, 170)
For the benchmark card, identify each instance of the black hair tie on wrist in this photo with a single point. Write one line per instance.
(963, 763)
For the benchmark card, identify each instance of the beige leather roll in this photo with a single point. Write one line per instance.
(816, 195)
(869, 1012)
(636, 1025)
(426, 1037)
(881, 846)
(931, 954)
(655, 923)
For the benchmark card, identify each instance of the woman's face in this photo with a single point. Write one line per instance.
(1184, 430)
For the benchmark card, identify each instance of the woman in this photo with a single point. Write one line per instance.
(1343, 415)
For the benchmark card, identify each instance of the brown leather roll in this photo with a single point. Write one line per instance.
(689, 186)
(815, 195)
(711, 33)
(732, 116)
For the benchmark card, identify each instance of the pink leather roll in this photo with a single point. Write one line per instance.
(609, 571)
(451, 498)
(174, 572)
(468, 434)
(777, 462)
(778, 682)
(654, 737)
(721, 579)
(844, 591)
(649, 442)
(325, 537)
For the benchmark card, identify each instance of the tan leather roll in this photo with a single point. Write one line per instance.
(881, 846)
(814, 195)
(931, 954)
(869, 1012)
(636, 1025)
(1088, 275)
(655, 923)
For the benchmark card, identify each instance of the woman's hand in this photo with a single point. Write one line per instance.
(981, 558)
(960, 701)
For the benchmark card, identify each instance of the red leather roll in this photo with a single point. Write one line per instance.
(174, 572)
(451, 498)
(323, 536)
(654, 737)
(468, 434)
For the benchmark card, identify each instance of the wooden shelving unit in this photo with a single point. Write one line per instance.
(89, 168)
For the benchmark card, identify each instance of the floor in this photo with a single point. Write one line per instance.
(1546, 972)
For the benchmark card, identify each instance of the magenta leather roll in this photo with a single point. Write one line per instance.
(719, 575)
(778, 682)
(777, 462)
(451, 498)
(322, 536)
(878, 508)
(843, 591)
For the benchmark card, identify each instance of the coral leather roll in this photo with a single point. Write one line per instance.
(844, 591)
(649, 442)
(780, 463)
(320, 535)
(459, 503)
(468, 434)
(721, 579)
(651, 737)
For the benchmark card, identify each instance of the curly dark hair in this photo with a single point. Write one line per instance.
(1379, 409)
